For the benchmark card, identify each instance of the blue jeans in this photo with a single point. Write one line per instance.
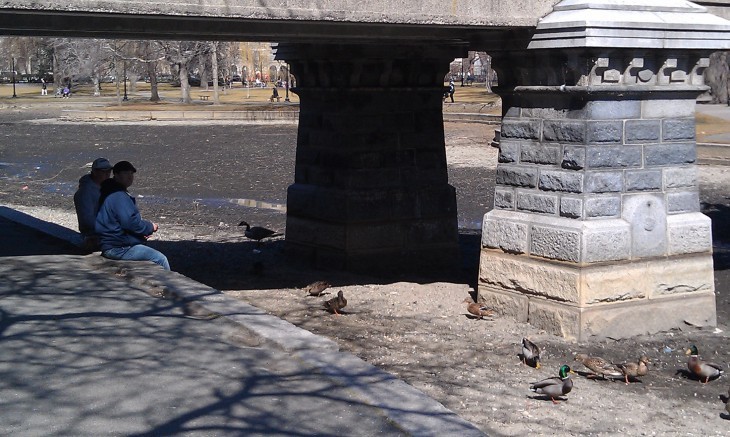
(139, 252)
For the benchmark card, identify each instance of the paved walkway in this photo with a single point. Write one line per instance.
(94, 347)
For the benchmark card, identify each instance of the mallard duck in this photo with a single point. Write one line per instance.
(316, 288)
(257, 232)
(478, 310)
(634, 370)
(336, 303)
(599, 366)
(531, 353)
(702, 369)
(555, 386)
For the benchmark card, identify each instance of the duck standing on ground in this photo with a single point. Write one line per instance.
(556, 386)
(257, 232)
(336, 303)
(702, 369)
(599, 366)
(634, 370)
(316, 288)
(530, 353)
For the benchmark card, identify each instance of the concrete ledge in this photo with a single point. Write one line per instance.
(52, 229)
(407, 407)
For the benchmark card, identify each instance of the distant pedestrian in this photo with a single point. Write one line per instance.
(452, 90)
(44, 88)
(122, 231)
(274, 94)
(86, 201)
(66, 93)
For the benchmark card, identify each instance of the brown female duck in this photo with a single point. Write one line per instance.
(634, 370)
(599, 366)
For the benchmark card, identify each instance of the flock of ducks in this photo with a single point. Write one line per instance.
(562, 384)
(554, 387)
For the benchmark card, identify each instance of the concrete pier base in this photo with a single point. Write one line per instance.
(600, 301)
(596, 230)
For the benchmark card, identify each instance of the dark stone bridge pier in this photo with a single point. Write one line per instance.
(371, 189)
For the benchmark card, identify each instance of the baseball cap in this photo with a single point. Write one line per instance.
(124, 166)
(101, 164)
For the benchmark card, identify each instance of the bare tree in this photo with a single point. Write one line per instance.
(214, 68)
(180, 55)
(717, 76)
(82, 59)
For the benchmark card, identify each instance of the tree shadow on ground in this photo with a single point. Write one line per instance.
(95, 344)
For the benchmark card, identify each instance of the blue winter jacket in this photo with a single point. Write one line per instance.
(118, 221)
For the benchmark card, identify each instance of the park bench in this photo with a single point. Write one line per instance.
(205, 95)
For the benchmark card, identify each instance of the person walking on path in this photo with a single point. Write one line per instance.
(86, 201)
(122, 231)
(452, 90)
(44, 87)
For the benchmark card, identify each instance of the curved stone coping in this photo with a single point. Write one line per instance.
(472, 117)
(244, 116)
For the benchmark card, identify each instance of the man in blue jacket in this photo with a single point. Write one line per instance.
(122, 231)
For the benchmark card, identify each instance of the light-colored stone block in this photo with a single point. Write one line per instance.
(689, 233)
(605, 240)
(513, 305)
(615, 301)
(688, 274)
(555, 243)
(627, 319)
(519, 273)
(648, 217)
(668, 108)
(615, 283)
(510, 236)
(562, 320)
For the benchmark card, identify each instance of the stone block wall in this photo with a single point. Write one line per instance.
(596, 229)
(596, 181)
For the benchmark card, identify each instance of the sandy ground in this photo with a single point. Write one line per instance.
(420, 331)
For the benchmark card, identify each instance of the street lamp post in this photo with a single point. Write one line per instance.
(462, 71)
(125, 81)
(288, 78)
(12, 62)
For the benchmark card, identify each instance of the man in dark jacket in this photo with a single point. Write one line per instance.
(122, 231)
(86, 201)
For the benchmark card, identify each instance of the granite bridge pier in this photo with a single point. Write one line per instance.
(596, 230)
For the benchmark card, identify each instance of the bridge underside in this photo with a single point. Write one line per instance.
(219, 28)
